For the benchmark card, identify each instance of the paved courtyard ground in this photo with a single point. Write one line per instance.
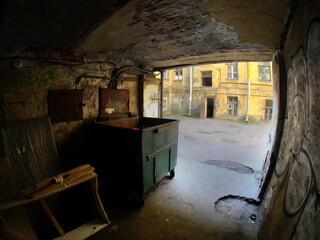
(203, 140)
(215, 158)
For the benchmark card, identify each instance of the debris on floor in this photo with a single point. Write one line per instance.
(238, 208)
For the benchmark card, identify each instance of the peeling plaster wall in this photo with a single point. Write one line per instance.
(161, 33)
(149, 31)
(25, 93)
(151, 100)
(291, 204)
(247, 17)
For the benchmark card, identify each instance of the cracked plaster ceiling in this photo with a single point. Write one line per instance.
(161, 33)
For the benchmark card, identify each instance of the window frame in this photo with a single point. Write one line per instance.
(264, 66)
(165, 100)
(180, 74)
(233, 72)
(202, 78)
(268, 110)
(231, 106)
(166, 75)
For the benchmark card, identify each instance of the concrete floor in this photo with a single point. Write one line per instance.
(184, 207)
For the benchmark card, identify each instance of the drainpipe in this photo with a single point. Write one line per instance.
(248, 98)
(161, 96)
(248, 101)
(190, 93)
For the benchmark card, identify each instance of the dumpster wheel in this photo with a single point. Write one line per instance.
(172, 173)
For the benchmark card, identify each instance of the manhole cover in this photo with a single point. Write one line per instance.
(240, 168)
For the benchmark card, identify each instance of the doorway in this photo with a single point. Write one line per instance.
(210, 107)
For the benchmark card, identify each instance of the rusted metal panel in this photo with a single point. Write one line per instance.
(114, 101)
(65, 105)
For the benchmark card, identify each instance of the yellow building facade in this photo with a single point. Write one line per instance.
(227, 90)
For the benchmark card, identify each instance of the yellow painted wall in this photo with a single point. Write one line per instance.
(221, 89)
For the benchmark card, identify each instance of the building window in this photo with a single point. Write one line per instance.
(264, 71)
(206, 78)
(178, 74)
(268, 110)
(232, 71)
(165, 74)
(165, 103)
(232, 106)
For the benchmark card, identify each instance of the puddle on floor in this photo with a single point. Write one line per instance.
(238, 208)
(240, 168)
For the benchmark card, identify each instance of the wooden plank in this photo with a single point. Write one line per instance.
(46, 183)
(96, 198)
(46, 194)
(84, 231)
(67, 182)
(51, 216)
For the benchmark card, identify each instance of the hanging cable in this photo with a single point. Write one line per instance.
(55, 62)
(116, 73)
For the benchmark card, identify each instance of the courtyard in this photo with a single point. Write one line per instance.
(216, 158)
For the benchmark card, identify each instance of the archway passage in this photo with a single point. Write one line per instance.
(86, 45)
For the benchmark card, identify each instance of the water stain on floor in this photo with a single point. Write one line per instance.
(205, 132)
(217, 131)
(189, 137)
(240, 168)
(228, 140)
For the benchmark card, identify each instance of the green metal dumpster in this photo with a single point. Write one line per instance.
(136, 153)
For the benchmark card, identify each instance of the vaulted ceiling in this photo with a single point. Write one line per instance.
(161, 33)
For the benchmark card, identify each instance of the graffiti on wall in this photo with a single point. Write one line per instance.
(298, 162)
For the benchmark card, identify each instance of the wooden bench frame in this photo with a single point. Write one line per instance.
(46, 188)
